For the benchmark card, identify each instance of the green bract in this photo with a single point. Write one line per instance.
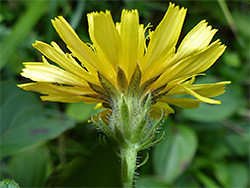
(128, 122)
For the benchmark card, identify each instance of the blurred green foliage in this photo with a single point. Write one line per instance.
(46, 144)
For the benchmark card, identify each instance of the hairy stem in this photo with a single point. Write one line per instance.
(128, 160)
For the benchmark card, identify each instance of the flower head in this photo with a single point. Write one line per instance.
(118, 65)
(134, 82)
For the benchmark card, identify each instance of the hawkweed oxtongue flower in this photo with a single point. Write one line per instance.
(133, 82)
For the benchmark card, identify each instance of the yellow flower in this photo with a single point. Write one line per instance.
(120, 58)
(133, 76)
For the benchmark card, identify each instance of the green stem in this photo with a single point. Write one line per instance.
(128, 159)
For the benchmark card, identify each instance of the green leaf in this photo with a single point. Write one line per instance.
(174, 154)
(222, 174)
(22, 27)
(30, 168)
(24, 122)
(32, 131)
(239, 175)
(8, 183)
(80, 111)
(15, 101)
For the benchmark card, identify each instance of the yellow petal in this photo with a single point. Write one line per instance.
(69, 99)
(118, 27)
(104, 115)
(130, 40)
(156, 110)
(210, 90)
(173, 84)
(141, 43)
(67, 62)
(194, 64)
(44, 72)
(196, 40)
(206, 90)
(74, 43)
(201, 98)
(163, 40)
(105, 38)
(190, 82)
(49, 88)
(98, 106)
(60, 93)
(181, 102)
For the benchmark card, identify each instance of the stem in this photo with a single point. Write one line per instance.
(128, 159)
